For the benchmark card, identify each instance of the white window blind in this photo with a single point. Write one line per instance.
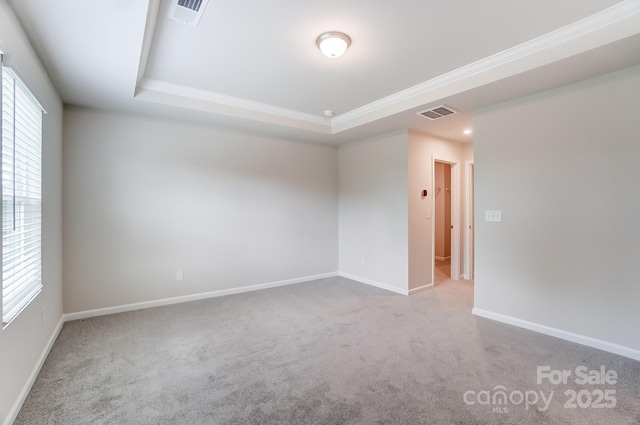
(21, 196)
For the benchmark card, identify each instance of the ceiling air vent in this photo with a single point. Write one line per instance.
(438, 112)
(188, 11)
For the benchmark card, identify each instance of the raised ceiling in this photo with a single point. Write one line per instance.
(255, 65)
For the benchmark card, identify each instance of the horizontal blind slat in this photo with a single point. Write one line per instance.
(21, 195)
(10, 313)
(26, 278)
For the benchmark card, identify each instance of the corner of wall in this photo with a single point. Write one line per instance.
(27, 340)
(373, 223)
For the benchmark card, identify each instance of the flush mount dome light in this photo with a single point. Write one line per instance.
(333, 44)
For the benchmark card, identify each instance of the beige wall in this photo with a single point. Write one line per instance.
(561, 166)
(385, 222)
(373, 210)
(26, 338)
(145, 197)
(421, 151)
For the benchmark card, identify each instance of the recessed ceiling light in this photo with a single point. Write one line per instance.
(467, 131)
(333, 44)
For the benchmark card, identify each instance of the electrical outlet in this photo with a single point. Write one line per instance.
(495, 216)
(179, 275)
(363, 261)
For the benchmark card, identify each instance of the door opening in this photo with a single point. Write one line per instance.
(450, 180)
(442, 212)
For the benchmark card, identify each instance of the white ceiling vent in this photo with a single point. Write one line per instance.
(438, 112)
(188, 11)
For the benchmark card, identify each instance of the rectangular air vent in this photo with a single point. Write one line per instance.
(190, 4)
(188, 11)
(438, 112)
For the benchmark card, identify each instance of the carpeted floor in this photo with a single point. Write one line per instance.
(326, 352)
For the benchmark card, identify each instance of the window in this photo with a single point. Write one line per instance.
(21, 195)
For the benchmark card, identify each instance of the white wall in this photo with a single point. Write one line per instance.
(145, 197)
(25, 340)
(562, 167)
(373, 219)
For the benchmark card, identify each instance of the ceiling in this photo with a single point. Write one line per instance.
(255, 66)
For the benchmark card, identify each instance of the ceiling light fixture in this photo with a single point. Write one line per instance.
(467, 132)
(333, 44)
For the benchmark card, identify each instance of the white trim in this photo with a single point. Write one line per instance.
(578, 37)
(468, 221)
(147, 39)
(204, 100)
(6, 60)
(442, 258)
(194, 297)
(374, 283)
(17, 405)
(455, 220)
(420, 289)
(607, 26)
(632, 353)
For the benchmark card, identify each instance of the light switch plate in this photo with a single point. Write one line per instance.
(495, 216)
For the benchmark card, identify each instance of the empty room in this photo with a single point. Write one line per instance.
(364, 212)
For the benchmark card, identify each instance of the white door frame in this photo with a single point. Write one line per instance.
(455, 216)
(468, 221)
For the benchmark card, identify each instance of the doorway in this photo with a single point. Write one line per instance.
(446, 222)
(442, 212)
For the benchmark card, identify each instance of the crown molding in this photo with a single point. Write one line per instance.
(614, 23)
(147, 38)
(607, 26)
(189, 97)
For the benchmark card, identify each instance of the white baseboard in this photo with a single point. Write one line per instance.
(442, 258)
(420, 289)
(632, 353)
(374, 283)
(15, 409)
(194, 297)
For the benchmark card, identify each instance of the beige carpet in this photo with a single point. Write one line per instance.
(326, 352)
